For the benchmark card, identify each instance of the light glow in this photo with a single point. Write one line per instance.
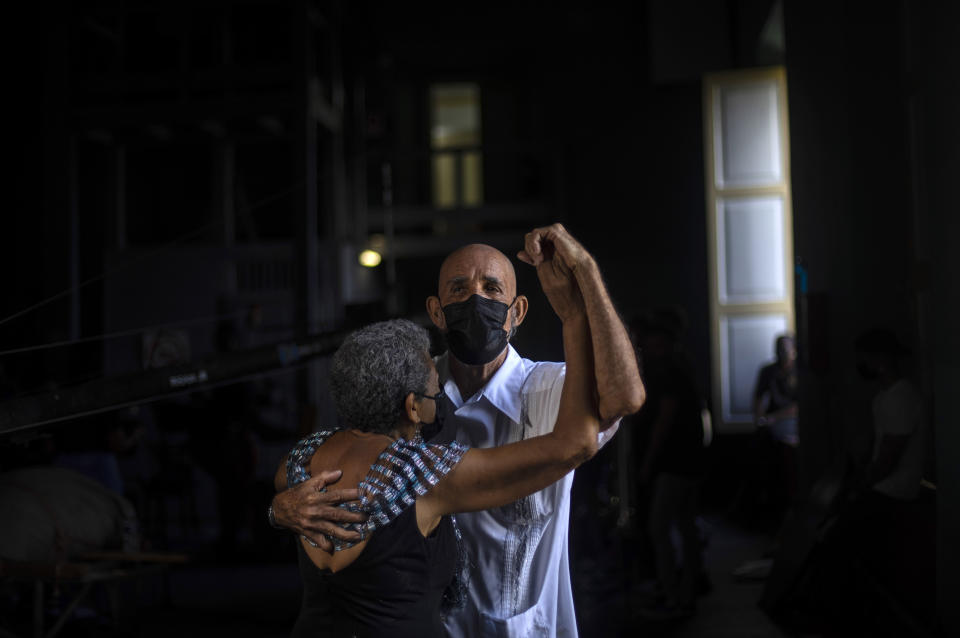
(370, 258)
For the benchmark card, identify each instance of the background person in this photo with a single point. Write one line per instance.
(672, 465)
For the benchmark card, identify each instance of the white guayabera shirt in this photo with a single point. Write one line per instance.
(519, 569)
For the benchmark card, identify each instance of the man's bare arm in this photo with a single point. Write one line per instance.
(496, 476)
(313, 513)
(620, 390)
(619, 386)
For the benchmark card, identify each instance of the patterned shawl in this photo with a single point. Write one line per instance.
(404, 470)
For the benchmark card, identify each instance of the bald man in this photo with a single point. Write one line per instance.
(519, 571)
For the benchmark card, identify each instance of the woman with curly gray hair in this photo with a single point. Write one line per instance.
(375, 369)
(405, 569)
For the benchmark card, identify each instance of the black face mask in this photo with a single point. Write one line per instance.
(429, 430)
(475, 333)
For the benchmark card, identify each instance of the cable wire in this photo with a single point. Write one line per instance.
(124, 333)
(193, 233)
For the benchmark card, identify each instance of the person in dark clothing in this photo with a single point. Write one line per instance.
(673, 461)
(864, 561)
(775, 394)
(775, 415)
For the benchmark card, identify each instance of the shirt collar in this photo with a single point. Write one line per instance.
(502, 390)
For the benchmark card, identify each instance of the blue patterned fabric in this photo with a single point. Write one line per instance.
(405, 470)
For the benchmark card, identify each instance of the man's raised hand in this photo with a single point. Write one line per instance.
(557, 277)
(548, 242)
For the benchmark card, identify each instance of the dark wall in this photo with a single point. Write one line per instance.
(854, 225)
(874, 133)
(935, 71)
(616, 124)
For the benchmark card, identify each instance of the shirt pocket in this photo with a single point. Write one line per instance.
(532, 623)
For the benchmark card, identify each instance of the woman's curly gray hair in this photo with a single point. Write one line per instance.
(375, 369)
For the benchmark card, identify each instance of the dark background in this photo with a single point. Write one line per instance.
(186, 161)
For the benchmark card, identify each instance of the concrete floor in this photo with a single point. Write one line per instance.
(259, 598)
(728, 610)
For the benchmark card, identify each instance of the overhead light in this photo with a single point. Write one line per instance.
(370, 258)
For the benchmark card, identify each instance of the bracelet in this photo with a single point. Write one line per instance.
(272, 519)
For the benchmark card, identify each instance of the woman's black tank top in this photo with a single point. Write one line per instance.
(392, 589)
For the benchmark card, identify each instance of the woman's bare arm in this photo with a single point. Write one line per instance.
(487, 478)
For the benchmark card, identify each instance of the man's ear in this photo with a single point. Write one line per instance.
(435, 310)
(520, 307)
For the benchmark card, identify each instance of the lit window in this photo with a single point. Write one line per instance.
(749, 231)
(457, 163)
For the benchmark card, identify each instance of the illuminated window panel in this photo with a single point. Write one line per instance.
(747, 135)
(750, 249)
(746, 345)
(455, 138)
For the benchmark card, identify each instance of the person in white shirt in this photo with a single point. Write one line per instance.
(880, 530)
(519, 569)
(896, 465)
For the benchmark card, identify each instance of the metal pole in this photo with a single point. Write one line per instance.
(306, 248)
(388, 230)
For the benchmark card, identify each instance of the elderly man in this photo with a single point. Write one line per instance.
(520, 577)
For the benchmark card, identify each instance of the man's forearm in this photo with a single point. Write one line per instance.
(284, 510)
(619, 387)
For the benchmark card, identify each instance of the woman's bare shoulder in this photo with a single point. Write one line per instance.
(351, 452)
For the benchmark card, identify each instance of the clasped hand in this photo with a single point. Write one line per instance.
(557, 257)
